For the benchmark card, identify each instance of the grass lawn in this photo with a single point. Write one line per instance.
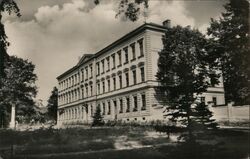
(118, 143)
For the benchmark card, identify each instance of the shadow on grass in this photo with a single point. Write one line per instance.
(201, 150)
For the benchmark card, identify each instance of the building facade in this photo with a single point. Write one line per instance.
(120, 79)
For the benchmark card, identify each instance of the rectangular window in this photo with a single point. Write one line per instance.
(75, 95)
(87, 108)
(215, 101)
(109, 108)
(114, 83)
(91, 90)
(91, 109)
(113, 59)
(120, 81)
(91, 71)
(103, 109)
(103, 87)
(98, 88)
(203, 100)
(98, 68)
(103, 66)
(127, 79)
(121, 106)
(87, 91)
(119, 57)
(115, 108)
(108, 63)
(143, 99)
(108, 85)
(82, 93)
(126, 54)
(141, 47)
(134, 76)
(135, 104)
(142, 74)
(133, 51)
(128, 104)
(87, 73)
(82, 74)
(76, 81)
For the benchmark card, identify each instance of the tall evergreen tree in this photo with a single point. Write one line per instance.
(203, 116)
(186, 70)
(53, 104)
(231, 33)
(97, 118)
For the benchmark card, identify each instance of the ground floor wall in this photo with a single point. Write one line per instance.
(138, 105)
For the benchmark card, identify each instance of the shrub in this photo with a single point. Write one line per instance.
(97, 118)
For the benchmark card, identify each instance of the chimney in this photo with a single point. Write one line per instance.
(167, 23)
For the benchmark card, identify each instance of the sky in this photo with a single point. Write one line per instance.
(54, 34)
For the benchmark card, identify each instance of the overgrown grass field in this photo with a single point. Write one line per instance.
(118, 143)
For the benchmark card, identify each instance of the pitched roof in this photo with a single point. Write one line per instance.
(84, 59)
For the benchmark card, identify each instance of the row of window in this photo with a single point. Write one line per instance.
(87, 72)
(75, 79)
(69, 82)
(125, 50)
(124, 105)
(214, 100)
(81, 112)
(107, 84)
(103, 86)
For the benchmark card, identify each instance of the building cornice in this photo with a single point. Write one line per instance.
(140, 29)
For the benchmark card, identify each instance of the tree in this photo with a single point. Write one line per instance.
(97, 118)
(130, 9)
(203, 116)
(231, 33)
(185, 71)
(53, 104)
(5, 6)
(18, 86)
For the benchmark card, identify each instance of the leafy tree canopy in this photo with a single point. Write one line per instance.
(129, 9)
(231, 33)
(8, 6)
(19, 84)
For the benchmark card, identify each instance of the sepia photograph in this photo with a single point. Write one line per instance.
(124, 79)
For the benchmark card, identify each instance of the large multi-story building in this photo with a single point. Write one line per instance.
(120, 79)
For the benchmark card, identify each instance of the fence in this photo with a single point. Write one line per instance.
(231, 113)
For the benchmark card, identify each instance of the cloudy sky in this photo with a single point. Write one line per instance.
(53, 34)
